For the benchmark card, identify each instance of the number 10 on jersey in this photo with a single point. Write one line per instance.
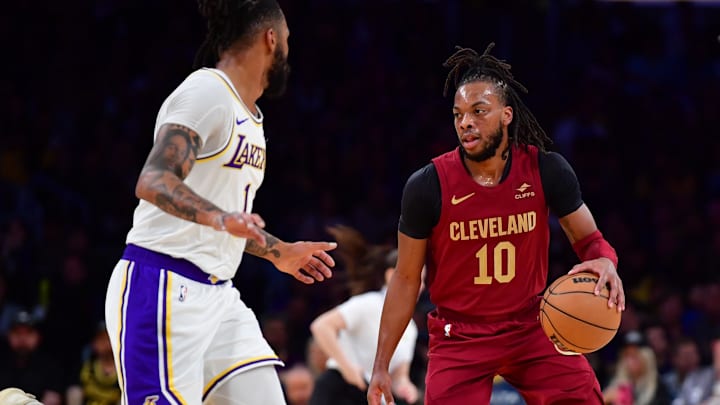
(503, 270)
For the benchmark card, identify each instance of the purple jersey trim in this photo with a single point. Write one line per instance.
(182, 267)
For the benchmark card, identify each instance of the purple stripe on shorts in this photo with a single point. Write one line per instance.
(142, 376)
(183, 267)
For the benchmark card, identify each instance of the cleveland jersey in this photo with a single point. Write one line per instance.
(228, 172)
(488, 253)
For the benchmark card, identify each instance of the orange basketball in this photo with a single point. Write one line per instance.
(576, 319)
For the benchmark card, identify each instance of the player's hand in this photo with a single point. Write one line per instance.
(306, 261)
(353, 375)
(405, 389)
(380, 386)
(607, 274)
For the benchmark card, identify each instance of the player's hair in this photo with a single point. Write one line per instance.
(365, 264)
(233, 23)
(466, 66)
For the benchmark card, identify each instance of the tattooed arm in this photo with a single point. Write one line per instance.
(161, 183)
(306, 261)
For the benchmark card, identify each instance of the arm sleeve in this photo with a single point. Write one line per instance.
(202, 104)
(561, 186)
(420, 207)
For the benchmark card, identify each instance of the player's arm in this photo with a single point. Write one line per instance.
(562, 191)
(325, 330)
(161, 183)
(306, 261)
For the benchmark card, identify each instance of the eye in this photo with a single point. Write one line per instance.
(479, 111)
(456, 115)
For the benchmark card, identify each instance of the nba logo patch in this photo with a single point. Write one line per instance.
(183, 292)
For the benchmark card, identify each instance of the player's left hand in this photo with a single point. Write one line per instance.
(306, 261)
(380, 388)
(607, 273)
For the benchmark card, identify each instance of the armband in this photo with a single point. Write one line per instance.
(595, 246)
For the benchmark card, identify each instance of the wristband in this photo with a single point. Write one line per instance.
(595, 246)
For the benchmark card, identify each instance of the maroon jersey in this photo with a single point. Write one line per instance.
(488, 253)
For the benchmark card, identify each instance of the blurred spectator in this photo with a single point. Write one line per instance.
(636, 380)
(658, 341)
(26, 366)
(98, 380)
(315, 357)
(274, 328)
(298, 383)
(715, 395)
(688, 382)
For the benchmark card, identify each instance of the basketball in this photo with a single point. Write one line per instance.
(576, 319)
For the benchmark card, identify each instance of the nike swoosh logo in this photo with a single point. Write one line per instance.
(241, 121)
(456, 201)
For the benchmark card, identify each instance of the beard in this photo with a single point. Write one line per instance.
(493, 143)
(277, 76)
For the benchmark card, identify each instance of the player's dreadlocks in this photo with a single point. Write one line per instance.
(365, 264)
(466, 66)
(233, 23)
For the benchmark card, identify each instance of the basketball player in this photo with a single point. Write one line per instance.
(479, 214)
(179, 330)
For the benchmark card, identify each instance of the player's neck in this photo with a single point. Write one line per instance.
(246, 77)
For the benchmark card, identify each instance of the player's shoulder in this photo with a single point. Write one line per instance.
(424, 174)
(205, 82)
(552, 160)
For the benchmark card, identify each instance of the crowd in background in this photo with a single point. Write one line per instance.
(628, 93)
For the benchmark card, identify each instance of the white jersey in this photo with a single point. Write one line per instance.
(228, 172)
(358, 340)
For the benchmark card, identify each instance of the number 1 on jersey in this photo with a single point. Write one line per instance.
(247, 195)
(498, 266)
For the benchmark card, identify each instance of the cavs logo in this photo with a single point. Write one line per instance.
(151, 400)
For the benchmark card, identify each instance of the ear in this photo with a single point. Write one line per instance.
(507, 115)
(271, 39)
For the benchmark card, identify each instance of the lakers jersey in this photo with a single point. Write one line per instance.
(228, 172)
(488, 253)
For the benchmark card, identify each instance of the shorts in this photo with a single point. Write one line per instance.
(464, 356)
(332, 389)
(176, 335)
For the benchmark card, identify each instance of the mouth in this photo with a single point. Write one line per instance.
(470, 141)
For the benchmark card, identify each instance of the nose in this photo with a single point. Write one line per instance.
(466, 121)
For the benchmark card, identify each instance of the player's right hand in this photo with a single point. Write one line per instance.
(242, 225)
(380, 386)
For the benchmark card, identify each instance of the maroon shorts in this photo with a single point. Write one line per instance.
(464, 356)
